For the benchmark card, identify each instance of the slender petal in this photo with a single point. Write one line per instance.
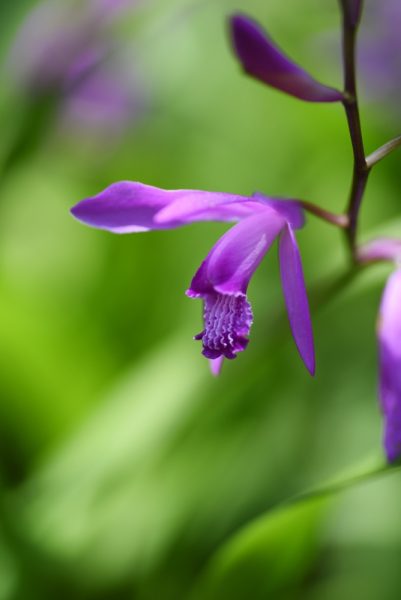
(127, 207)
(222, 281)
(208, 204)
(380, 249)
(263, 60)
(234, 258)
(295, 297)
(389, 335)
(238, 206)
(216, 365)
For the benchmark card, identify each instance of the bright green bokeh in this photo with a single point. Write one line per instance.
(128, 472)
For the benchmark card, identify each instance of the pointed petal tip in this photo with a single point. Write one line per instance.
(295, 296)
(216, 365)
(311, 367)
(262, 59)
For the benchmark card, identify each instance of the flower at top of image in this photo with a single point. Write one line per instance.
(222, 279)
(262, 59)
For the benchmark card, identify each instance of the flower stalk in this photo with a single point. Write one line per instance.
(361, 169)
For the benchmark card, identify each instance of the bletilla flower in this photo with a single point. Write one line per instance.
(264, 61)
(389, 339)
(222, 279)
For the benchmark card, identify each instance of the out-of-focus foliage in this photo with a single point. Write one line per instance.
(127, 471)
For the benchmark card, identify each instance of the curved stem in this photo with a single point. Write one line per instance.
(337, 220)
(361, 168)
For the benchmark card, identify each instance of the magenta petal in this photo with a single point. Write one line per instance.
(224, 207)
(222, 281)
(380, 249)
(262, 59)
(389, 335)
(290, 210)
(296, 300)
(128, 206)
(216, 364)
(205, 203)
(123, 207)
(234, 258)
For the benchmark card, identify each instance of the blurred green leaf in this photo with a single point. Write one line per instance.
(269, 557)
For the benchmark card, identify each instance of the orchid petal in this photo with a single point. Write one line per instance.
(216, 364)
(232, 261)
(389, 335)
(217, 205)
(210, 203)
(127, 207)
(295, 297)
(263, 60)
(222, 280)
(380, 249)
(290, 210)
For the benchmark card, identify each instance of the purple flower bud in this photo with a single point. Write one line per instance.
(264, 61)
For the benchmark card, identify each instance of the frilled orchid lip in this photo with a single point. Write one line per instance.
(389, 336)
(222, 279)
(228, 319)
(264, 61)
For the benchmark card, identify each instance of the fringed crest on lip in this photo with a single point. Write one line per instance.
(228, 319)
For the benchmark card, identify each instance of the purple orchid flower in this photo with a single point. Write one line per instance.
(389, 336)
(264, 61)
(222, 279)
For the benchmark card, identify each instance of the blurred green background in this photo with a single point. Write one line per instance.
(127, 471)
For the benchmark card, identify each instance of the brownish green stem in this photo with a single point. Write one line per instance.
(337, 220)
(360, 169)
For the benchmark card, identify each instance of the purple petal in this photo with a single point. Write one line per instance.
(222, 281)
(389, 335)
(380, 249)
(127, 207)
(232, 261)
(216, 364)
(263, 60)
(123, 207)
(212, 203)
(220, 206)
(295, 297)
(290, 210)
